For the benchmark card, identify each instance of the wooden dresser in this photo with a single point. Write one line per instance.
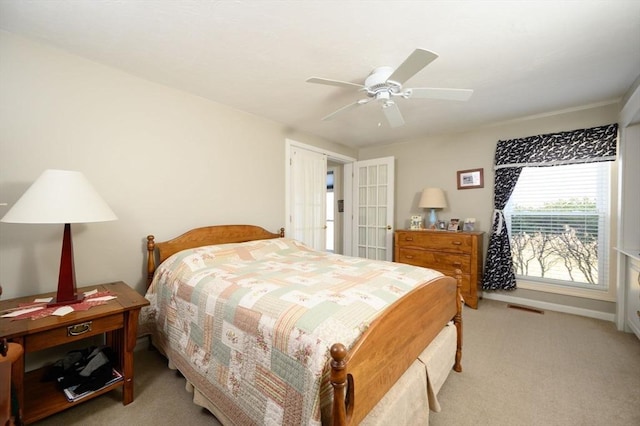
(457, 254)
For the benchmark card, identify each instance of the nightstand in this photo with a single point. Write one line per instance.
(117, 320)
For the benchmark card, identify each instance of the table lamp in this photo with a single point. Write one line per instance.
(432, 198)
(62, 197)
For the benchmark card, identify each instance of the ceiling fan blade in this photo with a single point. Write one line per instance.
(329, 82)
(419, 59)
(346, 108)
(392, 112)
(437, 93)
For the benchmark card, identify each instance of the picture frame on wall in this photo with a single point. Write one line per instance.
(472, 178)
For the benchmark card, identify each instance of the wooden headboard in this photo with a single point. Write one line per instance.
(208, 235)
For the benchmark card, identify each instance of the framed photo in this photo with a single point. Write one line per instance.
(469, 224)
(442, 225)
(416, 222)
(472, 178)
(453, 225)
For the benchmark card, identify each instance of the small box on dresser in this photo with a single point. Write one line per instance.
(457, 254)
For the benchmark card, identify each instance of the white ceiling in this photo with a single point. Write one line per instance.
(522, 58)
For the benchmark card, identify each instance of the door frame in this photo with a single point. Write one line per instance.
(331, 156)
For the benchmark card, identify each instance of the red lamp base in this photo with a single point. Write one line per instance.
(67, 279)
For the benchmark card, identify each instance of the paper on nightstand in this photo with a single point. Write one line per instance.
(17, 312)
(62, 311)
(103, 298)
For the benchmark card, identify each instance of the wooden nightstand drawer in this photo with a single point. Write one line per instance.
(80, 330)
(446, 241)
(435, 260)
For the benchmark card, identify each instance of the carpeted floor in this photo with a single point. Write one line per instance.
(520, 368)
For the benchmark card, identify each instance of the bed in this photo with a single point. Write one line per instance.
(215, 311)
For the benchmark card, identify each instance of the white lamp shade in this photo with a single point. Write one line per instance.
(60, 196)
(433, 198)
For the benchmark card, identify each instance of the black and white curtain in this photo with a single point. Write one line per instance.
(577, 146)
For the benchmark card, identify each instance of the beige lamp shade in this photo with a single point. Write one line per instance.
(432, 198)
(60, 196)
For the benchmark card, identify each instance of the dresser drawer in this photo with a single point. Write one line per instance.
(441, 261)
(80, 330)
(446, 241)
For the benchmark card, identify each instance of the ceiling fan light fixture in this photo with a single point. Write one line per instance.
(385, 82)
(383, 96)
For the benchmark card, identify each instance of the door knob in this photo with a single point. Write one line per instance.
(389, 227)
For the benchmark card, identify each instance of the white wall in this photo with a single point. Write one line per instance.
(164, 160)
(434, 161)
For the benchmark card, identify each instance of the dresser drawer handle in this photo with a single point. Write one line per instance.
(78, 329)
(408, 238)
(457, 264)
(456, 243)
(408, 256)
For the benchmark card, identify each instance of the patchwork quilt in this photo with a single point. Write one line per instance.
(250, 324)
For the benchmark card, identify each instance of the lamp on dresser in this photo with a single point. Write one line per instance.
(432, 198)
(61, 197)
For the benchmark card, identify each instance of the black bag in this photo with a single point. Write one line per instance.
(89, 368)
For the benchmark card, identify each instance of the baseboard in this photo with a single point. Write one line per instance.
(550, 306)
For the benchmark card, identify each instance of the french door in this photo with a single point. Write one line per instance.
(373, 208)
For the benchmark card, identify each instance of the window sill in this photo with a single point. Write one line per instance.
(605, 295)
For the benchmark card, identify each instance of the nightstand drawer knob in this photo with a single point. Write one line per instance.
(78, 329)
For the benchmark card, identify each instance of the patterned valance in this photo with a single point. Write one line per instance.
(575, 146)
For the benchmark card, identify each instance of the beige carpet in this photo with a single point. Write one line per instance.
(520, 368)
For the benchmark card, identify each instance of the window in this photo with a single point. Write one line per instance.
(558, 220)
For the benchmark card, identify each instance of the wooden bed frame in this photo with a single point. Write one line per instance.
(362, 376)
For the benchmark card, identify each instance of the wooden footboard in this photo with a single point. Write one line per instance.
(362, 376)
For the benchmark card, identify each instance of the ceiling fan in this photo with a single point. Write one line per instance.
(385, 83)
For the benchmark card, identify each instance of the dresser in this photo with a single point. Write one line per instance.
(457, 254)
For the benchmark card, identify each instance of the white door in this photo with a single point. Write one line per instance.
(308, 180)
(373, 196)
